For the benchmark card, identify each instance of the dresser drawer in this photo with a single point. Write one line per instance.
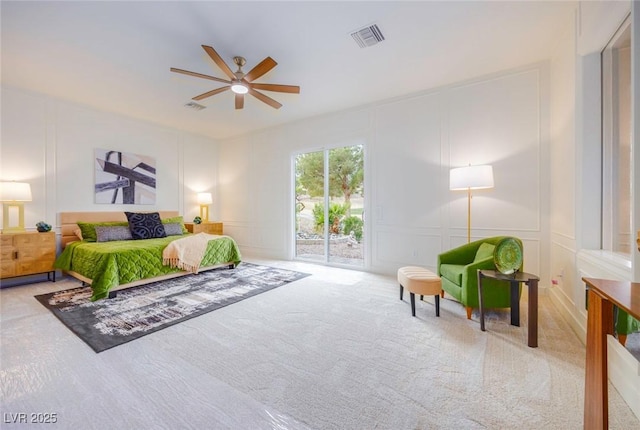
(36, 240)
(6, 240)
(7, 253)
(205, 227)
(26, 267)
(7, 268)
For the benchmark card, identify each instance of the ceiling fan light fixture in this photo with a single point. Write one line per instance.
(241, 83)
(239, 88)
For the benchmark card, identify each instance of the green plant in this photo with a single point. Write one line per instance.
(353, 224)
(42, 226)
(336, 213)
(346, 173)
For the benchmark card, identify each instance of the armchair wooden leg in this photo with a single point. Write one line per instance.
(442, 294)
(469, 310)
(622, 338)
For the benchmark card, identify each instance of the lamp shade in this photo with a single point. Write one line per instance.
(15, 192)
(204, 198)
(471, 178)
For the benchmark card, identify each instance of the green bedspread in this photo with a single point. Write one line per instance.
(109, 264)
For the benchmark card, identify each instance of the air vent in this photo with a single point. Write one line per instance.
(194, 106)
(368, 36)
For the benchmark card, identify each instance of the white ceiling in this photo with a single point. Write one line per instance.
(116, 56)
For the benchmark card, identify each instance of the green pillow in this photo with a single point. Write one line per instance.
(485, 251)
(88, 229)
(178, 220)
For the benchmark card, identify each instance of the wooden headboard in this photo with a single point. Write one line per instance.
(69, 220)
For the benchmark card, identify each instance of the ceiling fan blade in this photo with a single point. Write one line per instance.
(219, 61)
(239, 101)
(199, 75)
(293, 89)
(263, 67)
(212, 93)
(268, 100)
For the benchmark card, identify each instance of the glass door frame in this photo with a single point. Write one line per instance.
(353, 141)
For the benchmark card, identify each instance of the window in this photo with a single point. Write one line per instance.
(616, 142)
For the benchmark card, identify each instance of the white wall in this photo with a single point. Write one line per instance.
(575, 171)
(410, 143)
(563, 167)
(255, 178)
(635, 136)
(575, 166)
(50, 144)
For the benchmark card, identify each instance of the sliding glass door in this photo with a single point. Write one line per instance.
(329, 206)
(309, 206)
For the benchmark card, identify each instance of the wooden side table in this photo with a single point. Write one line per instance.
(205, 227)
(514, 280)
(27, 253)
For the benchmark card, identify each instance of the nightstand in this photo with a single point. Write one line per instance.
(27, 253)
(204, 227)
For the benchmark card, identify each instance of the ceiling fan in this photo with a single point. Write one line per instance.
(241, 83)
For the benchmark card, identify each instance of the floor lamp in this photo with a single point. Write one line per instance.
(470, 178)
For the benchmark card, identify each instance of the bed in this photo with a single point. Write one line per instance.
(115, 265)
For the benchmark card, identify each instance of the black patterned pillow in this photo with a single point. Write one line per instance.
(109, 233)
(145, 225)
(173, 229)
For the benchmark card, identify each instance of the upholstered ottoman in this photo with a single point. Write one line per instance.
(419, 280)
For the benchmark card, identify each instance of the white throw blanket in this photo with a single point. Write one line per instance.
(186, 253)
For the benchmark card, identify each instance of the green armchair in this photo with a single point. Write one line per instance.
(458, 270)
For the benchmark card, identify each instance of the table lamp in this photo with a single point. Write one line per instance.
(470, 178)
(204, 200)
(13, 195)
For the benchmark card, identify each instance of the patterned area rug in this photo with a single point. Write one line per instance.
(138, 311)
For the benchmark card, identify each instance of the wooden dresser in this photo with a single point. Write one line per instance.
(27, 253)
(205, 227)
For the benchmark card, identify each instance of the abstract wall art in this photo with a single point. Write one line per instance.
(124, 178)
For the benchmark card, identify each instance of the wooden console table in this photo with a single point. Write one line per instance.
(602, 295)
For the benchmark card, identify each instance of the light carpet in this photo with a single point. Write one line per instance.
(335, 350)
(342, 355)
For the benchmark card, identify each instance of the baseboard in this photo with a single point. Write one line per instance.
(576, 320)
(264, 253)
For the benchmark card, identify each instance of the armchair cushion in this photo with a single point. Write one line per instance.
(452, 272)
(484, 251)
